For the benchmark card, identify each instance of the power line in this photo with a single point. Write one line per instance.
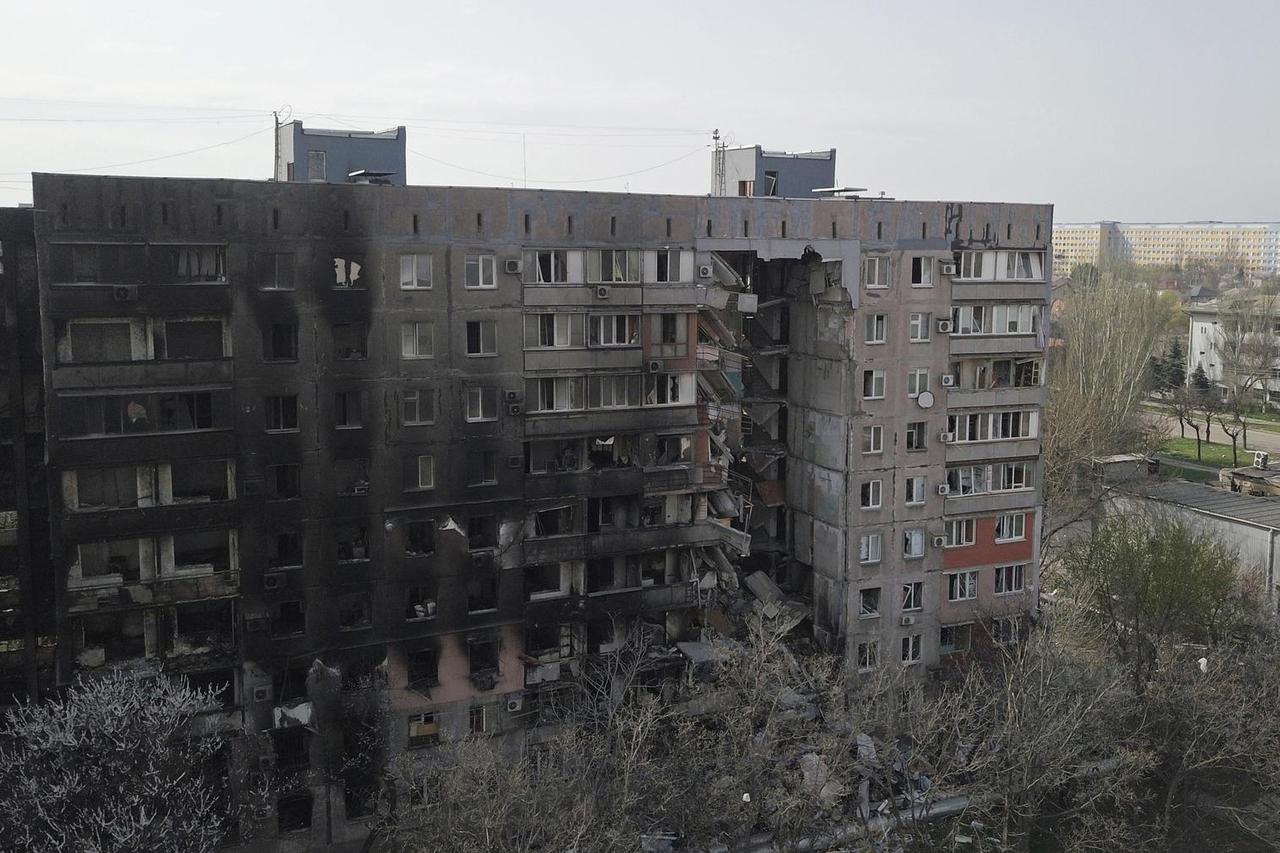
(157, 159)
(134, 120)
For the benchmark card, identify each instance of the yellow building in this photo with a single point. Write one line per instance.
(1255, 246)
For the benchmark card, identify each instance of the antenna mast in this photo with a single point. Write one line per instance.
(718, 181)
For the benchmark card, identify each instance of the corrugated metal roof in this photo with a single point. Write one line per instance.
(1262, 511)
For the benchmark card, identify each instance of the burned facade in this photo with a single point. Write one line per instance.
(301, 436)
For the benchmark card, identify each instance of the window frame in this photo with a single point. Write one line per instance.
(1015, 572)
(872, 439)
(414, 260)
(1020, 536)
(871, 494)
(874, 375)
(415, 328)
(920, 321)
(962, 585)
(922, 269)
(481, 326)
(480, 263)
(477, 394)
(419, 394)
(870, 548)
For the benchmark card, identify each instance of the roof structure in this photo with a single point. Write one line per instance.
(1258, 511)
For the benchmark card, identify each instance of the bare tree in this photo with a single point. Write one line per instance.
(1247, 348)
(120, 763)
(1097, 383)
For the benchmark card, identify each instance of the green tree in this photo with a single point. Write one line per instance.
(1175, 362)
(120, 764)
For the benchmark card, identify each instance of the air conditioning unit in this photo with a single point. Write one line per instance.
(944, 489)
(655, 366)
(947, 437)
(513, 266)
(948, 380)
(939, 541)
(124, 292)
(907, 621)
(1260, 459)
(515, 461)
(262, 693)
(514, 396)
(947, 268)
(704, 271)
(515, 409)
(273, 580)
(944, 327)
(602, 292)
(515, 703)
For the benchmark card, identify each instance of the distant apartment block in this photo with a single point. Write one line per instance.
(1253, 246)
(456, 439)
(319, 156)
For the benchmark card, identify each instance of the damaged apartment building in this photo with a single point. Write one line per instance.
(305, 435)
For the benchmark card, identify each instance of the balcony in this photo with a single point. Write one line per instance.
(1021, 291)
(143, 373)
(960, 398)
(107, 300)
(605, 421)
(577, 546)
(986, 451)
(597, 358)
(170, 589)
(603, 481)
(979, 345)
(685, 477)
(991, 502)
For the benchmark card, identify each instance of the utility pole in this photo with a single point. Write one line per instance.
(275, 138)
(718, 186)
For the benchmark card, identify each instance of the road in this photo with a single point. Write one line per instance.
(1259, 439)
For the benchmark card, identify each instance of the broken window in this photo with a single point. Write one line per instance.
(869, 602)
(350, 341)
(482, 532)
(347, 408)
(482, 594)
(666, 389)
(108, 488)
(482, 337)
(560, 394)
(1011, 527)
(282, 412)
(913, 543)
(419, 538)
(351, 476)
(602, 575)
(669, 335)
(542, 581)
(672, 450)
(288, 619)
(417, 407)
(120, 558)
(668, 265)
(424, 730)
(482, 656)
(347, 271)
(967, 480)
(612, 451)
(108, 264)
(359, 797)
(482, 467)
(109, 638)
(1024, 265)
(554, 521)
(284, 549)
(200, 481)
(200, 628)
(354, 611)
(478, 719)
(546, 267)
(352, 542)
(553, 455)
(202, 550)
(186, 264)
(417, 340)
(542, 638)
(613, 265)
(954, 638)
(1008, 579)
(100, 342)
(1005, 630)
(422, 603)
(962, 586)
(479, 272)
(911, 648)
(868, 654)
(280, 342)
(276, 271)
(415, 272)
(188, 339)
(186, 410)
(284, 481)
(293, 812)
(921, 271)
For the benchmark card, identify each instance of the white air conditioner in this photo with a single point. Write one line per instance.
(602, 292)
(944, 327)
(514, 396)
(262, 693)
(947, 437)
(515, 703)
(944, 489)
(655, 366)
(704, 271)
(939, 541)
(907, 621)
(124, 292)
(513, 266)
(948, 380)
(273, 580)
(515, 409)
(1261, 459)
(947, 268)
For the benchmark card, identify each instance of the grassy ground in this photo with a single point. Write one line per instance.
(1215, 455)
(1268, 422)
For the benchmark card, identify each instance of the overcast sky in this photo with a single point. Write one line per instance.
(1166, 109)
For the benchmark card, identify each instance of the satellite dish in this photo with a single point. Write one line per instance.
(925, 400)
